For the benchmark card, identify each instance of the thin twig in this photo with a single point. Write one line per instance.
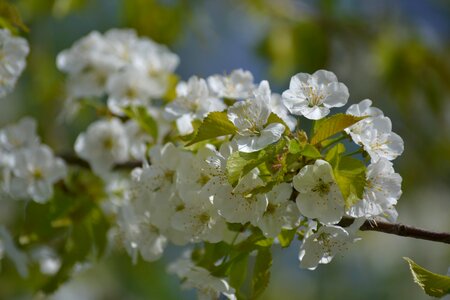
(75, 160)
(399, 229)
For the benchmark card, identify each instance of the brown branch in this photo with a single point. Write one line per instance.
(399, 229)
(75, 160)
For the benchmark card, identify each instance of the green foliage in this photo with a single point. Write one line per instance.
(214, 125)
(305, 149)
(239, 163)
(261, 271)
(286, 236)
(74, 224)
(163, 22)
(327, 127)
(10, 17)
(433, 284)
(238, 272)
(350, 174)
(141, 115)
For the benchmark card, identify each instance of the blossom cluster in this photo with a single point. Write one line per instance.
(246, 161)
(13, 51)
(127, 69)
(28, 168)
(223, 161)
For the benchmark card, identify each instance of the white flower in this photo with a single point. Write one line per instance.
(140, 236)
(138, 140)
(208, 286)
(89, 83)
(362, 109)
(237, 205)
(83, 54)
(19, 135)
(199, 220)
(37, 169)
(250, 117)
(193, 102)
(319, 195)
(237, 85)
(322, 246)
(280, 211)
(165, 161)
(379, 141)
(312, 96)
(277, 106)
(130, 88)
(134, 68)
(382, 190)
(104, 144)
(117, 189)
(195, 173)
(13, 51)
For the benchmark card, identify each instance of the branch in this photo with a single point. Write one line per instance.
(76, 161)
(399, 229)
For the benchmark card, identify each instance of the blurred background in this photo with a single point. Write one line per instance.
(396, 53)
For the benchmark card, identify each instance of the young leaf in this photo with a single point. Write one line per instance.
(141, 116)
(10, 17)
(286, 236)
(240, 163)
(351, 178)
(294, 147)
(310, 151)
(433, 284)
(236, 163)
(327, 127)
(238, 271)
(214, 125)
(261, 271)
(350, 174)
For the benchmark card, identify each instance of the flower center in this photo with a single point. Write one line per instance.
(271, 208)
(108, 143)
(38, 174)
(321, 188)
(131, 93)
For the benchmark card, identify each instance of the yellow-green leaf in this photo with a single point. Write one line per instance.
(433, 284)
(214, 125)
(261, 271)
(330, 126)
(349, 173)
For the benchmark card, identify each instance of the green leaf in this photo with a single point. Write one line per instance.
(214, 125)
(240, 163)
(334, 154)
(310, 151)
(433, 284)
(144, 119)
(265, 243)
(294, 147)
(261, 272)
(10, 17)
(351, 178)
(286, 236)
(238, 271)
(327, 127)
(307, 150)
(349, 173)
